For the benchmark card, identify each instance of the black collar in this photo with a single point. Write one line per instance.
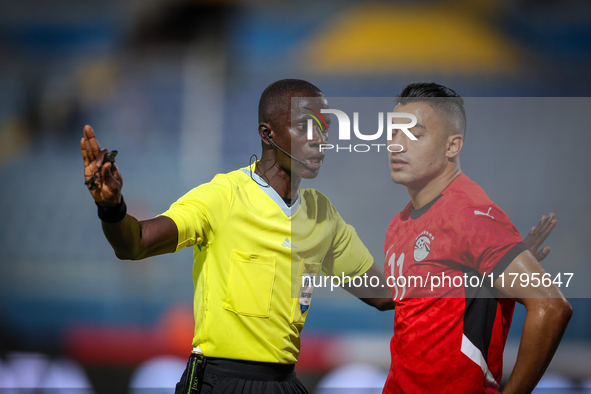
(417, 213)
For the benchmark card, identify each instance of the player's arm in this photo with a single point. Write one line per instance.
(547, 315)
(380, 297)
(131, 239)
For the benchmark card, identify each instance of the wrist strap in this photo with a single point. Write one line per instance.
(112, 214)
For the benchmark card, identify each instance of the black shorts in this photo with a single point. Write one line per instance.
(224, 376)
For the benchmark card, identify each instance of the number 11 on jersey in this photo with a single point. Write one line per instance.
(392, 279)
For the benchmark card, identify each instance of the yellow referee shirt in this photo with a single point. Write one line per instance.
(250, 253)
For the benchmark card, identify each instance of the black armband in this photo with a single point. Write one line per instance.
(112, 214)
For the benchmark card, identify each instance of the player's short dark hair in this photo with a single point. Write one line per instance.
(277, 95)
(440, 98)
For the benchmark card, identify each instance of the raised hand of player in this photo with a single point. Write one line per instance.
(108, 179)
(538, 234)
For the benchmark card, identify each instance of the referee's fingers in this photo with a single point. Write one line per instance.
(101, 157)
(89, 151)
(90, 167)
(116, 174)
(92, 142)
(84, 154)
(106, 171)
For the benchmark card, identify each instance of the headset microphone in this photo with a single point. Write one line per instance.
(268, 138)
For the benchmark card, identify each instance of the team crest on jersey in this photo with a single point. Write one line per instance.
(422, 246)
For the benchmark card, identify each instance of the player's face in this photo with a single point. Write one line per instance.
(423, 160)
(291, 134)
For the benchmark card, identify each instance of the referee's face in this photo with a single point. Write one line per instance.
(421, 162)
(291, 133)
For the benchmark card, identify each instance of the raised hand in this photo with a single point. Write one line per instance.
(108, 180)
(538, 235)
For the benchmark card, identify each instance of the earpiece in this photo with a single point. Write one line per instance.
(268, 138)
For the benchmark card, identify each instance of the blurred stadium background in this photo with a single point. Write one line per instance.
(174, 86)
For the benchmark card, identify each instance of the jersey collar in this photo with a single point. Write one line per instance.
(417, 213)
(264, 186)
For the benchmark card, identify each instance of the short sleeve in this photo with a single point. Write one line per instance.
(200, 213)
(347, 255)
(488, 240)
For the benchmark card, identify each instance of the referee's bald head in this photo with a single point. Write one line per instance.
(276, 98)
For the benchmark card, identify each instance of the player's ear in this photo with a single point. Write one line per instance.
(454, 145)
(265, 131)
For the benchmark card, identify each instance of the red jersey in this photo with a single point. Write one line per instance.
(450, 324)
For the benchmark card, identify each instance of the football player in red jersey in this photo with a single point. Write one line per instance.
(444, 252)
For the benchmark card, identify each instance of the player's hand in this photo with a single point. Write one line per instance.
(108, 178)
(538, 235)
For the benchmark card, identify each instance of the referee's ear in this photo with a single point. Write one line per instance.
(265, 131)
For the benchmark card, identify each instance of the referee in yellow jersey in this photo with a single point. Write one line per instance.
(257, 238)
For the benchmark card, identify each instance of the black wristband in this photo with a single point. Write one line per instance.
(112, 214)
